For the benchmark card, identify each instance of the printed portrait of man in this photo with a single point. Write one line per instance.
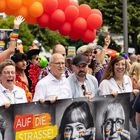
(113, 123)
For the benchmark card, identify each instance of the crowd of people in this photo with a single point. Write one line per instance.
(92, 72)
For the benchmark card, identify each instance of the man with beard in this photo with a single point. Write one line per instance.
(82, 83)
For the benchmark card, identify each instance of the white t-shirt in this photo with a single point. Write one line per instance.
(107, 87)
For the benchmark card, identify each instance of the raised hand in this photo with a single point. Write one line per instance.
(18, 20)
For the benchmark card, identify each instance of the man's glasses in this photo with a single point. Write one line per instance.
(59, 63)
(110, 123)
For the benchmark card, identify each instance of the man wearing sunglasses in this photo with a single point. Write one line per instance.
(82, 83)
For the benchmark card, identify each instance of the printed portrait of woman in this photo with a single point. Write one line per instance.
(77, 122)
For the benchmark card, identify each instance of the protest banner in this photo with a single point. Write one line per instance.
(103, 118)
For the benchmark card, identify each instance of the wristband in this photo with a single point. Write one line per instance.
(14, 35)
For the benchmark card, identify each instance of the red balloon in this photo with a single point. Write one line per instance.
(50, 6)
(31, 20)
(58, 17)
(65, 29)
(89, 36)
(94, 21)
(62, 4)
(43, 20)
(79, 25)
(74, 36)
(84, 11)
(71, 13)
(96, 11)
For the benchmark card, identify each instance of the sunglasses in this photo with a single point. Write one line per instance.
(95, 51)
(84, 89)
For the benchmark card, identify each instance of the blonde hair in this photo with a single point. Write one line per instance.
(135, 70)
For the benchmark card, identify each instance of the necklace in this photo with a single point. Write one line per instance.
(120, 85)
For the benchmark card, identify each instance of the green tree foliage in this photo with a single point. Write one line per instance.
(113, 17)
(47, 37)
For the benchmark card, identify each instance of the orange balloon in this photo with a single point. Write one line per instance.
(31, 20)
(28, 3)
(36, 9)
(2, 5)
(41, 1)
(14, 4)
(23, 11)
(11, 12)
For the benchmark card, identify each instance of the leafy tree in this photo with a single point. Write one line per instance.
(113, 17)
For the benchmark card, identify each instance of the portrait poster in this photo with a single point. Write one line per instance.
(69, 119)
(74, 119)
(112, 117)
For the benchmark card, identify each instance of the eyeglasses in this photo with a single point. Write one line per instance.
(110, 123)
(9, 72)
(59, 63)
(84, 89)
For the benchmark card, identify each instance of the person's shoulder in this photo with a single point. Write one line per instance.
(126, 76)
(19, 89)
(44, 80)
(105, 82)
(72, 77)
(91, 77)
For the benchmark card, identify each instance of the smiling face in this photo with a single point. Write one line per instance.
(57, 65)
(119, 68)
(7, 77)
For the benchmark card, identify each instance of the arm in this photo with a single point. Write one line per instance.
(11, 49)
(6, 54)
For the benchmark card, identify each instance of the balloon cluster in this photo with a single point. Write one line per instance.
(65, 16)
(113, 53)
